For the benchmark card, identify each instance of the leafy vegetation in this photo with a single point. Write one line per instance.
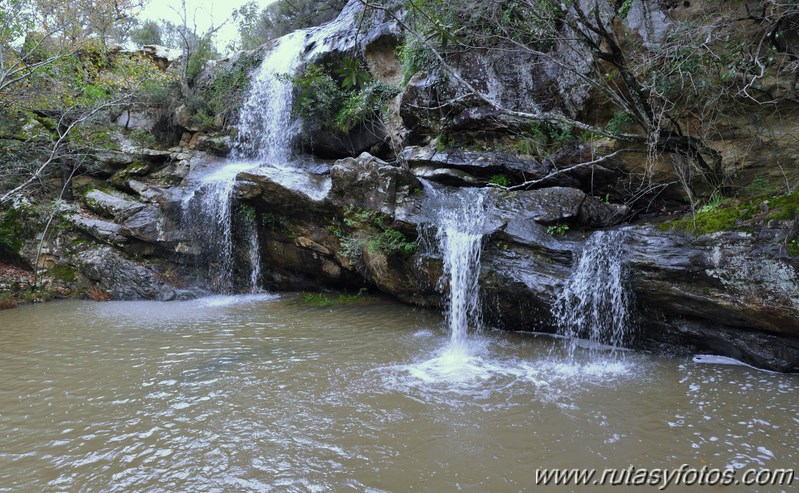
(338, 105)
(415, 57)
(558, 229)
(500, 179)
(542, 139)
(667, 93)
(10, 232)
(365, 231)
(7, 301)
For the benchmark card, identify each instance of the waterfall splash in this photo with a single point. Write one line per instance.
(459, 222)
(594, 304)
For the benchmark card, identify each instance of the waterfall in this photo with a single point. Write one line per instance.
(266, 126)
(254, 251)
(266, 131)
(208, 217)
(594, 303)
(459, 220)
(266, 135)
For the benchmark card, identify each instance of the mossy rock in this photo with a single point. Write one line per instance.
(63, 273)
(738, 215)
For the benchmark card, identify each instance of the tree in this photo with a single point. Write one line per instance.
(198, 47)
(57, 78)
(146, 33)
(282, 17)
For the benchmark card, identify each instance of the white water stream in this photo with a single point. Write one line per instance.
(593, 309)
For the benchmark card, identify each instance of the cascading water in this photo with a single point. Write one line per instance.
(254, 250)
(459, 221)
(594, 303)
(266, 134)
(460, 238)
(266, 126)
(266, 130)
(207, 213)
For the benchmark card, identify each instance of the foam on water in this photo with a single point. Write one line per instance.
(229, 300)
(451, 375)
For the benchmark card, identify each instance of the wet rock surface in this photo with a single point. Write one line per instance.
(120, 277)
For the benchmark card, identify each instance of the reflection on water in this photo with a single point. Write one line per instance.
(260, 394)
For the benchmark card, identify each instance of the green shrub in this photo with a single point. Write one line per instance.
(7, 301)
(558, 229)
(619, 122)
(363, 105)
(500, 179)
(370, 234)
(415, 57)
(353, 72)
(10, 232)
(317, 95)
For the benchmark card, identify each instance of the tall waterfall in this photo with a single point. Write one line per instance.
(266, 130)
(594, 303)
(266, 126)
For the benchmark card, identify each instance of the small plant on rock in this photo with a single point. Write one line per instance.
(557, 229)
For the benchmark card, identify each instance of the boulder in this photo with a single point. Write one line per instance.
(556, 205)
(112, 205)
(105, 231)
(483, 164)
(145, 224)
(367, 182)
(276, 188)
(446, 176)
(122, 278)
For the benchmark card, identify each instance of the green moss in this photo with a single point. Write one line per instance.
(793, 248)
(784, 207)
(737, 215)
(62, 272)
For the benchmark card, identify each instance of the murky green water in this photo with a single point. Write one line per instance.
(252, 394)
